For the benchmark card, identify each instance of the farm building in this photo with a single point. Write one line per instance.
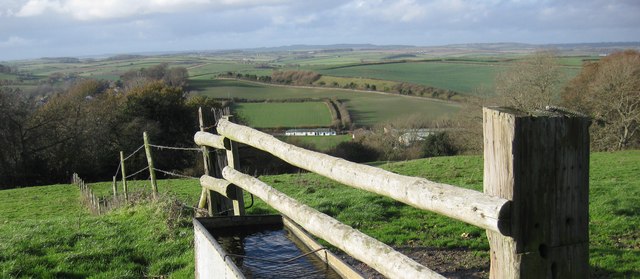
(310, 132)
(409, 136)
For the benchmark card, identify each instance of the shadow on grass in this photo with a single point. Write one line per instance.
(201, 84)
(361, 116)
(600, 272)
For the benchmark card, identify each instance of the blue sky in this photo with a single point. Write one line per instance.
(40, 28)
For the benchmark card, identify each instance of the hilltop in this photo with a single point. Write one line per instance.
(44, 231)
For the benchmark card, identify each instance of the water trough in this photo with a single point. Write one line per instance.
(263, 246)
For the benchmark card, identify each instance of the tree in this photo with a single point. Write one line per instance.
(531, 83)
(609, 91)
(439, 144)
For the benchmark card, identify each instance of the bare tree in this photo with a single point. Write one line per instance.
(610, 92)
(531, 83)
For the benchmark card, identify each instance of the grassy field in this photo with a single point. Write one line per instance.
(366, 108)
(464, 76)
(459, 77)
(45, 233)
(273, 115)
(318, 143)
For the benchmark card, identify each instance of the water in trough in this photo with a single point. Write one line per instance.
(273, 253)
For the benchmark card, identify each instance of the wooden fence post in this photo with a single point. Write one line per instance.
(124, 177)
(540, 162)
(233, 161)
(152, 172)
(115, 188)
(205, 194)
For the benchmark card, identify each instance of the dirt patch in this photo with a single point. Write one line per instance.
(451, 263)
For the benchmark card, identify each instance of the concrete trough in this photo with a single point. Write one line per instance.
(263, 246)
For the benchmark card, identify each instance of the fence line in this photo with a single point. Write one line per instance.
(470, 206)
(134, 152)
(96, 205)
(393, 264)
(175, 174)
(176, 148)
(138, 172)
(535, 205)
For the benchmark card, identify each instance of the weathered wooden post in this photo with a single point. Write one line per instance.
(233, 161)
(539, 161)
(115, 188)
(124, 177)
(152, 172)
(205, 194)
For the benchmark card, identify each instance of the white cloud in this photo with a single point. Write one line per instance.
(108, 9)
(38, 7)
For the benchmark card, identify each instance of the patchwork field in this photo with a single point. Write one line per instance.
(366, 108)
(273, 115)
(460, 77)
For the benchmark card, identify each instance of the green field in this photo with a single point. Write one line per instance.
(366, 108)
(459, 77)
(45, 233)
(318, 143)
(273, 115)
(465, 76)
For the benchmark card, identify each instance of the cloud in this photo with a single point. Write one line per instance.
(110, 9)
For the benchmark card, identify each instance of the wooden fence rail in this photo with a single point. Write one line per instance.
(534, 206)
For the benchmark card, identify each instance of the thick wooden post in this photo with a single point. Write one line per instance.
(124, 176)
(540, 162)
(233, 161)
(152, 172)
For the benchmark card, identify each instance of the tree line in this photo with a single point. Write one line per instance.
(606, 90)
(82, 128)
(310, 78)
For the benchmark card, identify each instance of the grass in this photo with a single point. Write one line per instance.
(366, 108)
(463, 76)
(272, 115)
(318, 143)
(45, 233)
(459, 77)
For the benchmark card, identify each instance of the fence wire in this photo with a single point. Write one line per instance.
(176, 148)
(118, 169)
(134, 152)
(134, 174)
(175, 174)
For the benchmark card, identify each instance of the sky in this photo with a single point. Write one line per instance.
(76, 28)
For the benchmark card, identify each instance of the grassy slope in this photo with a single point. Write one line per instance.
(50, 233)
(366, 108)
(271, 115)
(44, 233)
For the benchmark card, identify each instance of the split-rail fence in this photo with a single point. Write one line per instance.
(534, 206)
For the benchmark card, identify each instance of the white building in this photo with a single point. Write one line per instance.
(310, 132)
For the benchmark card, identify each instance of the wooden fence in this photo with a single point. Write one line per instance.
(95, 204)
(534, 206)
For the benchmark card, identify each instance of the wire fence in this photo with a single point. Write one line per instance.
(161, 147)
(175, 174)
(136, 173)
